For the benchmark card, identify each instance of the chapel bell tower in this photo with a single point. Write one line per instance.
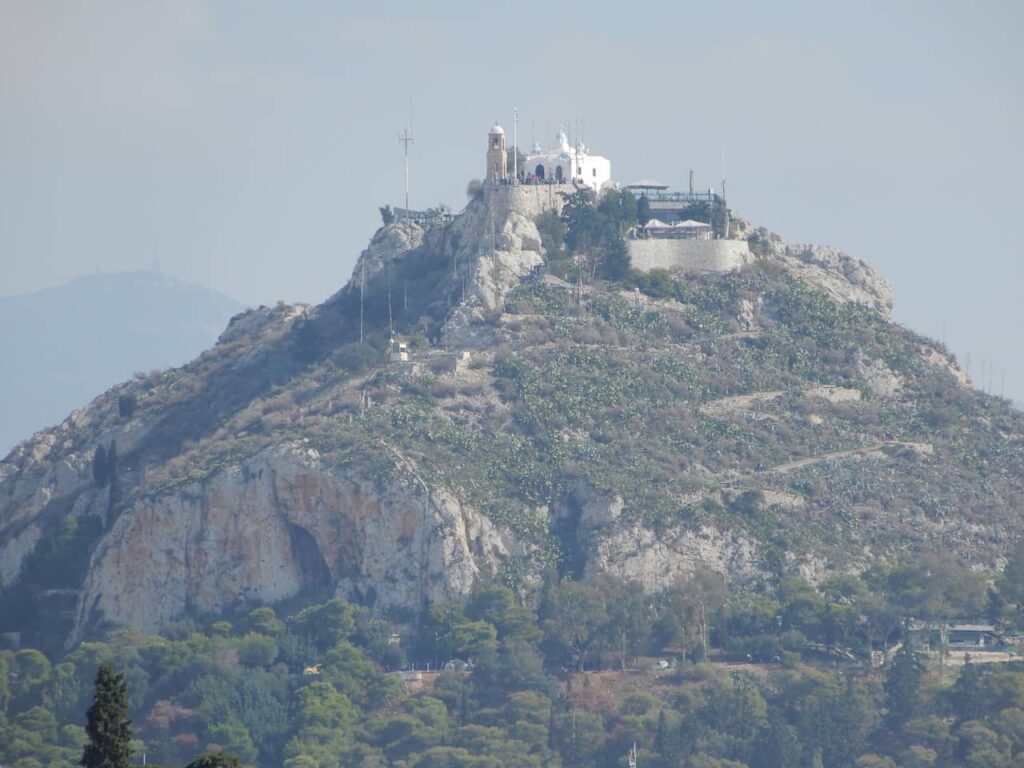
(497, 158)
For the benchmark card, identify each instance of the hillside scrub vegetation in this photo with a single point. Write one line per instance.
(740, 479)
(677, 405)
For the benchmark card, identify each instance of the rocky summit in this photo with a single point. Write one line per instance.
(466, 409)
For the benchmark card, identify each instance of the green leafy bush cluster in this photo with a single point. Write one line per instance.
(558, 677)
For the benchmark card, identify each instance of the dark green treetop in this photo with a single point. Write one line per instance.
(215, 760)
(107, 726)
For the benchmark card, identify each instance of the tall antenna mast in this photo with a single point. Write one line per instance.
(515, 143)
(405, 137)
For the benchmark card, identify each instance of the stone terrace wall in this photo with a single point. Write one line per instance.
(690, 255)
(529, 200)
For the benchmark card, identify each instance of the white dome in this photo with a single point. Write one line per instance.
(497, 130)
(561, 138)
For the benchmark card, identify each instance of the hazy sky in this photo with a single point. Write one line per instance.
(247, 145)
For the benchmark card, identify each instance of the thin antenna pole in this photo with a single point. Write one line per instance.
(723, 171)
(723, 163)
(362, 295)
(515, 143)
(405, 137)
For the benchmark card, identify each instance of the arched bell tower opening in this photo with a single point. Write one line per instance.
(497, 157)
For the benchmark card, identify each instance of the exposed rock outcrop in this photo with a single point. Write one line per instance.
(838, 274)
(281, 522)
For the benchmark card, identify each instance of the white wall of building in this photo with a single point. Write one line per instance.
(569, 164)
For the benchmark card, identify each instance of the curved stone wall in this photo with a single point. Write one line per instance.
(690, 255)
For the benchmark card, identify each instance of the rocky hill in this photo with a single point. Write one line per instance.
(764, 421)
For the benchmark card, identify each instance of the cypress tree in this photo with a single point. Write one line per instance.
(967, 694)
(99, 466)
(114, 479)
(778, 745)
(643, 210)
(616, 262)
(113, 463)
(107, 726)
(902, 686)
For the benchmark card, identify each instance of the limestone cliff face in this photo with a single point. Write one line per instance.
(279, 523)
(626, 549)
(495, 242)
(490, 246)
(387, 246)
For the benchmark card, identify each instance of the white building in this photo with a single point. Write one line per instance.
(564, 164)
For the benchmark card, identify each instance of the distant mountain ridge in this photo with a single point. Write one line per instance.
(64, 345)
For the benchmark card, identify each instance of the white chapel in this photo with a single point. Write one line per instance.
(562, 164)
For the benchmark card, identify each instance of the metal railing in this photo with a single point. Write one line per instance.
(656, 196)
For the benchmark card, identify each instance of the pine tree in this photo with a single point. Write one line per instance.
(107, 726)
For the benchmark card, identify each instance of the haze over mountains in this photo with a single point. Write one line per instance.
(62, 346)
